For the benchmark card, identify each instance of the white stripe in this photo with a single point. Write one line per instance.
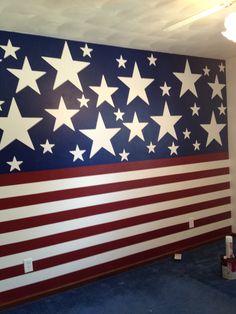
(92, 200)
(86, 181)
(63, 269)
(76, 224)
(69, 246)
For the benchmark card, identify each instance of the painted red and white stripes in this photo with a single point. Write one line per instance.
(80, 223)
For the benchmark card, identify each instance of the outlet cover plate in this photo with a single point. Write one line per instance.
(28, 265)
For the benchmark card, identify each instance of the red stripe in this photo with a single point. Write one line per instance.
(90, 251)
(71, 279)
(29, 177)
(112, 245)
(107, 188)
(31, 222)
(44, 241)
(10, 203)
(27, 245)
(93, 230)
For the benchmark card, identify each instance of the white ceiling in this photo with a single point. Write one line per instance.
(127, 23)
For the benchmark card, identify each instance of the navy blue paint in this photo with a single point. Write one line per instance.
(103, 62)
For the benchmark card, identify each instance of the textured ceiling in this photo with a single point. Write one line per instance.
(127, 23)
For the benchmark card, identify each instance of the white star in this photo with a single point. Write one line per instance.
(188, 80)
(1, 103)
(26, 76)
(221, 67)
(187, 133)
(165, 89)
(83, 101)
(15, 164)
(213, 129)
(9, 50)
(136, 85)
(152, 60)
(77, 153)
(124, 155)
(15, 127)
(173, 149)
(121, 62)
(86, 51)
(101, 136)
(104, 92)
(166, 122)
(63, 115)
(196, 145)
(47, 147)
(151, 148)
(195, 110)
(135, 128)
(216, 88)
(119, 115)
(206, 71)
(222, 109)
(67, 68)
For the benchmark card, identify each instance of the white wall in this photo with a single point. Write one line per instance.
(231, 102)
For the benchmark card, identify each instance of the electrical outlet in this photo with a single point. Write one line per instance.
(191, 222)
(28, 265)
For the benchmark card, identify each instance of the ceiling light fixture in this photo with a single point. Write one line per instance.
(199, 16)
(230, 25)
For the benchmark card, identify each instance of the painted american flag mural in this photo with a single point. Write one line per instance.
(106, 154)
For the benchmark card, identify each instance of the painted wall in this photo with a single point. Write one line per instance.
(108, 157)
(231, 99)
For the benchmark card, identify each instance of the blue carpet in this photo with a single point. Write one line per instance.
(191, 286)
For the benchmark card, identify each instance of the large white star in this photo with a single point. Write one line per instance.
(216, 88)
(9, 50)
(77, 153)
(63, 115)
(15, 127)
(136, 85)
(67, 68)
(104, 92)
(26, 76)
(136, 128)
(188, 80)
(101, 136)
(166, 122)
(15, 164)
(213, 129)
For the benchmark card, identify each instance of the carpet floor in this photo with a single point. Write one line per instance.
(193, 285)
